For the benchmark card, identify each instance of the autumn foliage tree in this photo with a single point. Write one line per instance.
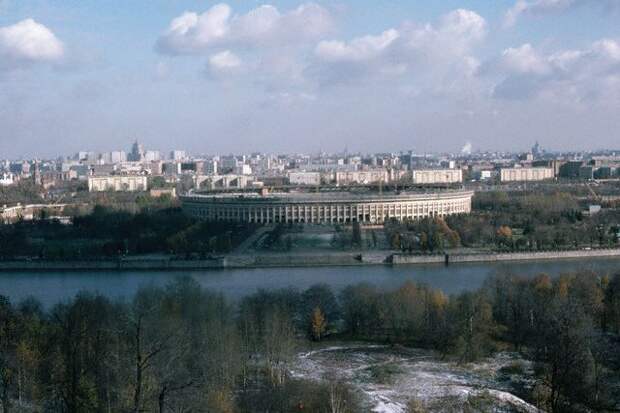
(318, 324)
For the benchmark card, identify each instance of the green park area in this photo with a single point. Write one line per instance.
(519, 221)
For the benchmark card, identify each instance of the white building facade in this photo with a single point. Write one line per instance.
(437, 176)
(124, 183)
(304, 178)
(526, 174)
(362, 177)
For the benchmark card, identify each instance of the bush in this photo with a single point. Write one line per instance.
(514, 368)
(384, 373)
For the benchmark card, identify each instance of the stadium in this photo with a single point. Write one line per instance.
(325, 207)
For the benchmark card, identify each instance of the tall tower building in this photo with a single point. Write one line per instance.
(137, 152)
(536, 151)
(36, 176)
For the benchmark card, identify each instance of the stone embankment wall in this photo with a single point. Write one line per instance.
(111, 265)
(296, 260)
(398, 259)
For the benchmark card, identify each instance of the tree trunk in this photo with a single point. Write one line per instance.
(138, 387)
(161, 399)
(138, 390)
(19, 386)
(6, 403)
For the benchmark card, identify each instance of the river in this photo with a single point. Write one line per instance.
(52, 287)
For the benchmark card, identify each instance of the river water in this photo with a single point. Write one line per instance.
(52, 287)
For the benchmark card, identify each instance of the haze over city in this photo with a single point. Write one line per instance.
(294, 76)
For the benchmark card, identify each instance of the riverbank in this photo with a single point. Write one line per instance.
(282, 260)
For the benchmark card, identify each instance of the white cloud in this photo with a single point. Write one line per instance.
(524, 59)
(537, 7)
(428, 52)
(193, 33)
(267, 25)
(457, 33)
(258, 23)
(359, 49)
(289, 49)
(28, 42)
(224, 63)
(590, 74)
(564, 60)
(466, 25)
(608, 48)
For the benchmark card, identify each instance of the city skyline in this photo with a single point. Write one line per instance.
(294, 76)
(136, 151)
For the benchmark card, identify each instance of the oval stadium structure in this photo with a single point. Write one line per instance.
(325, 207)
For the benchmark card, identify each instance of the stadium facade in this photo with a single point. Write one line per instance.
(325, 207)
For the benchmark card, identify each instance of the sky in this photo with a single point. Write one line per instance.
(290, 76)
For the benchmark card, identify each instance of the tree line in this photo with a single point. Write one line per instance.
(511, 221)
(110, 232)
(181, 348)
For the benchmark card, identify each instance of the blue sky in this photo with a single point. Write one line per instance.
(295, 76)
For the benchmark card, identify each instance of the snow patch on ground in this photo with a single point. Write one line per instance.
(389, 377)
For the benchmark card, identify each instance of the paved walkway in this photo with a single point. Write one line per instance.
(249, 242)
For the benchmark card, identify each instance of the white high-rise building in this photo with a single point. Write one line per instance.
(177, 155)
(114, 157)
(243, 169)
(118, 156)
(151, 156)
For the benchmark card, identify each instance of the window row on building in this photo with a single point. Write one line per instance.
(127, 183)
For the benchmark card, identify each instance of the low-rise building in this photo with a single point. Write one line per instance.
(570, 169)
(586, 172)
(156, 167)
(211, 182)
(126, 183)
(554, 164)
(171, 168)
(362, 177)
(525, 174)
(436, 176)
(159, 192)
(304, 178)
(12, 214)
(604, 172)
(103, 170)
(484, 174)
(7, 178)
(58, 176)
